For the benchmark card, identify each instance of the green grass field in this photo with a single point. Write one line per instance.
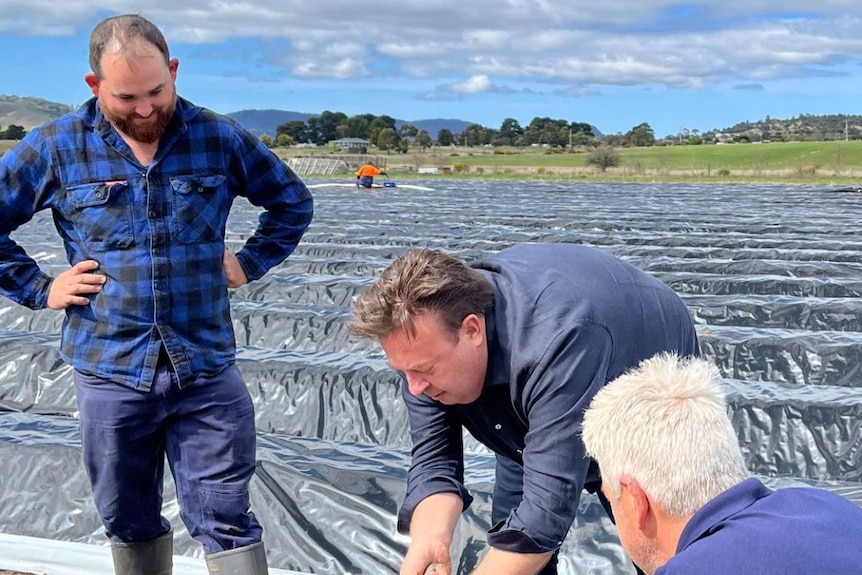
(733, 157)
(791, 162)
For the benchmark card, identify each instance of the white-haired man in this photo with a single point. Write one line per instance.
(681, 495)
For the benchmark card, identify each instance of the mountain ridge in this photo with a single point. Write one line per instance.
(30, 112)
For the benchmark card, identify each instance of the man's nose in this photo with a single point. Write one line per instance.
(144, 109)
(416, 385)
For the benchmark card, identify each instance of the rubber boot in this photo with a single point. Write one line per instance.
(153, 557)
(248, 560)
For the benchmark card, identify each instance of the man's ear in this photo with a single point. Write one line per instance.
(640, 503)
(172, 67)
(473, 328)
(93, 82)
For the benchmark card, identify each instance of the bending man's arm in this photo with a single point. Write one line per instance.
(554, 395)
(499, 562)
(431, 529)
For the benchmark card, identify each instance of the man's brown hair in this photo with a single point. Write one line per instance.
(420, 281)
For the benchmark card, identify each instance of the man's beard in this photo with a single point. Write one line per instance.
(146, 133)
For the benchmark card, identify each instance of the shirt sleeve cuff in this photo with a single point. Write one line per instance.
(250, 266)
(516, 541)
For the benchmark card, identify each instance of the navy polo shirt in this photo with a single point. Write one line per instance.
(752, 530)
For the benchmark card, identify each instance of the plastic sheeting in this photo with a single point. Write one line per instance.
(771, 276)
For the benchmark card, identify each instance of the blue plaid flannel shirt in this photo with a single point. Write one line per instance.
(157, 232)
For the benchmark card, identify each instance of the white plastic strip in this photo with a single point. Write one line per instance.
(49, 557)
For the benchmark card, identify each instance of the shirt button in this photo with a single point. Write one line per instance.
(152, 213)
(156, 250)
(498, 427)
(157, 285)
(520, 451)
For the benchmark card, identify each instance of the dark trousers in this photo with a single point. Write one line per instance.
(508, 492)
(206, 430)
(365, 181)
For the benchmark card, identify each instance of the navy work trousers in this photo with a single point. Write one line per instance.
(206, 430)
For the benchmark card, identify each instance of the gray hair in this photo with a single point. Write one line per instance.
(122, 31)
(665, 424)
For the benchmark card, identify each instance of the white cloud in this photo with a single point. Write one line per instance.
(474, 85)
(486, 45)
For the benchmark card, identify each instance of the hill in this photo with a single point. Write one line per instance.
(260, 122)
(433, 127)
(805, 127)
(29, 112)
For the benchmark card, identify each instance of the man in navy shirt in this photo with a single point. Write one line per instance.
(683, 500)
(140, 183)
(511, 348)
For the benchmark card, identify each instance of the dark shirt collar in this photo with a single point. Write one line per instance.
(498, 372)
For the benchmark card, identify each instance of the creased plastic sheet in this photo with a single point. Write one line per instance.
(771, 276)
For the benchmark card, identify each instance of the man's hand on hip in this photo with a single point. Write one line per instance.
(233, 271)
(74, 285)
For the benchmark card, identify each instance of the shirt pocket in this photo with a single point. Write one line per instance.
(200, 205)
(101, 214)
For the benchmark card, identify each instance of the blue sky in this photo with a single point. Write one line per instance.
(702, 65)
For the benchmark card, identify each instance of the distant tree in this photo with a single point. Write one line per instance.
(360, 126)
(510, 131)
(408, 131)
(284, 140)
(387, 139)
(13, 132)
(583, 138)
(445, 137)
(313, 133)
(384, 121)
(475, 135)
(327, 125)
(583, 128)
(296, 129)
(603, 157)
(640, 136)
(423, 140)
(266, 140)
(613, 140)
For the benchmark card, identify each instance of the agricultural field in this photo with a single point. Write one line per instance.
(801, 162)
(787, 162)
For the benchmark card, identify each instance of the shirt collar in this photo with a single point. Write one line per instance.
(498, 372)
(727, 504)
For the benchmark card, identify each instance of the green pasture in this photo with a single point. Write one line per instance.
(803, 162)
(841, 156)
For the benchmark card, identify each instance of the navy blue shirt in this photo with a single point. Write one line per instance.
(157, 232)
(566, 320)
(751, 530)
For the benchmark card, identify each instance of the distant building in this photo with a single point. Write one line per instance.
(352, 145)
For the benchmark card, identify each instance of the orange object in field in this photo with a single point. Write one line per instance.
(368, 170)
